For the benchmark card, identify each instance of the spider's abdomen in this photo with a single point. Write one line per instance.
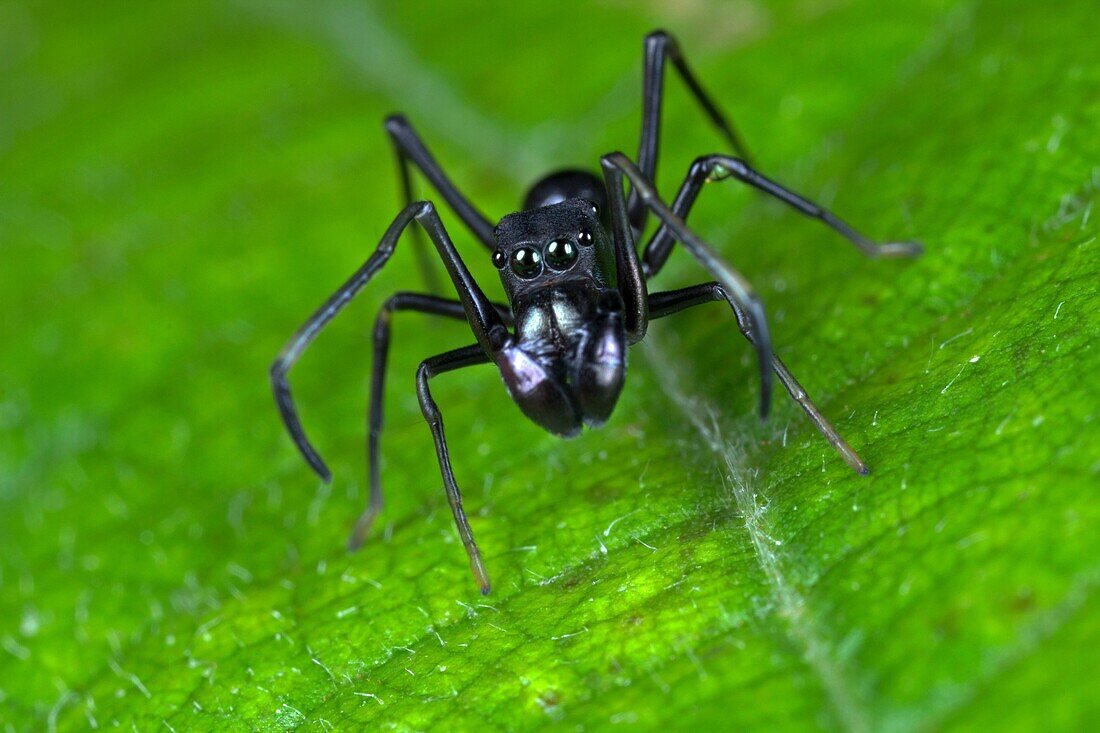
(564, 185)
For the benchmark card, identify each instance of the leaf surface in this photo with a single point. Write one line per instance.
(183, 183)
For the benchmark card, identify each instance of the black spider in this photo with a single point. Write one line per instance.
(577, 290)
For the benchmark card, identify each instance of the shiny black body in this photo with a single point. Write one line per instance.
(566, 362)
(577, 289)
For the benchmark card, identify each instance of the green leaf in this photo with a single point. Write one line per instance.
(180, 184)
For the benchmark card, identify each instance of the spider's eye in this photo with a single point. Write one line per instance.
(584, 237)
(499, 260)
(595, 209)
(526, 262)
(561, 254)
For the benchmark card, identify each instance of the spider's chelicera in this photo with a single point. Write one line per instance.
(577, 290)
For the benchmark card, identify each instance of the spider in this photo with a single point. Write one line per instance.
(576, 286)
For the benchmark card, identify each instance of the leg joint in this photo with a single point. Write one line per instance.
(427, 405)
(659, 38)
(396, 122)
(424, 373)
(704, 165)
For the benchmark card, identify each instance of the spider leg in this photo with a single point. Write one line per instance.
(672, 301)
(410, 149)
(446, 362)
(431, 305)
(484, 320)
(632, 284)
(721, 167)
(660, 46)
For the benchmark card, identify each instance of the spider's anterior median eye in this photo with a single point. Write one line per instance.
(499, 260)
(584, 237)
(561, 254)
(526, 262)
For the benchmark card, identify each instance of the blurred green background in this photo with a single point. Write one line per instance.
(182, 183)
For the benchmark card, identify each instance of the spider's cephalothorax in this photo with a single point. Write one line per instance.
(577, 288)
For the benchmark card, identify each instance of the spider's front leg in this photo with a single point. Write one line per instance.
(309, 330)
(486, 322)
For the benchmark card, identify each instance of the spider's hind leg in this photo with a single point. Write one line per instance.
(673, 301)
(662, 47)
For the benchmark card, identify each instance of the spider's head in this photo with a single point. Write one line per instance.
(562, 242)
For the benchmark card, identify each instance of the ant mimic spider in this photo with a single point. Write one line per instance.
(577, 289)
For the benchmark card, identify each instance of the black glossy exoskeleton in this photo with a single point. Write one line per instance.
(577, 290)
